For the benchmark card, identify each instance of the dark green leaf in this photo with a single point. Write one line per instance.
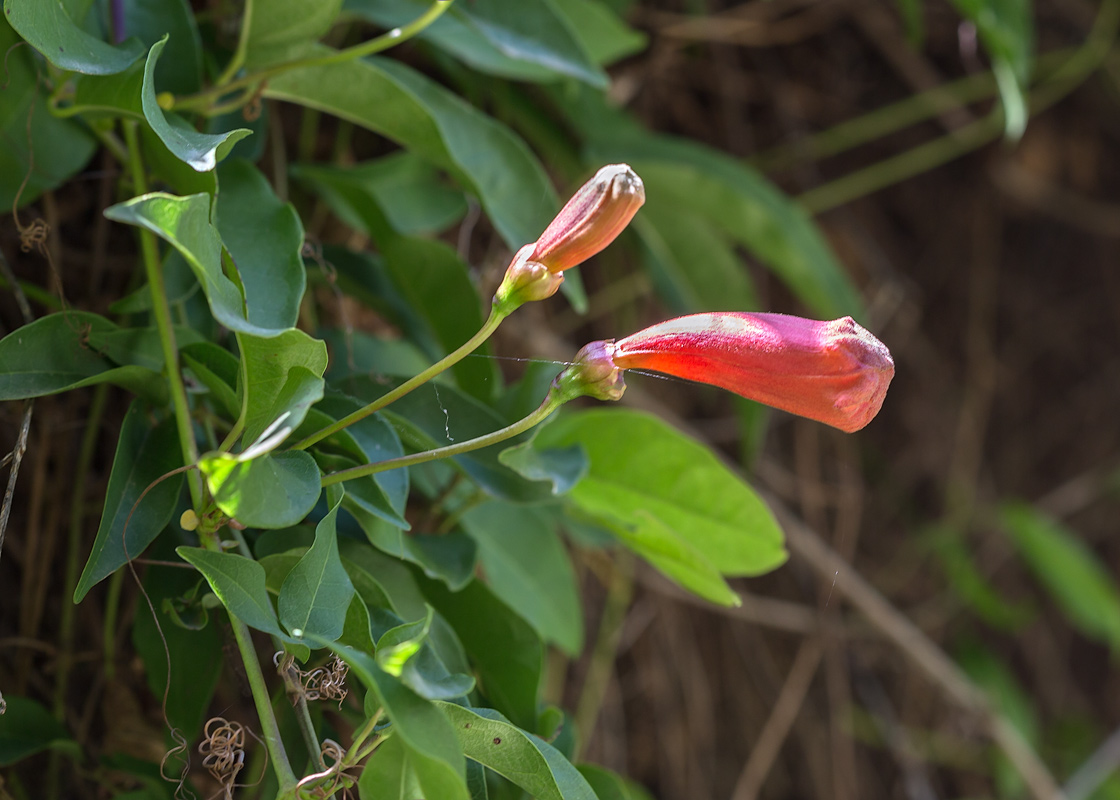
(435, 283)
(202, 151)
(376, 441)
(145, 454)
(507, 652)
(264, 237)
(389, 774)
(690, 261)
(605, 37)
(355, 629)
(377, 576)
(56, 148)
(527, 567)
(395, 101)
(426, 735)
(196, 655)
(437, 415)
(239, 584)
(27, 728)
(610, 786)
(279, 30)
(180, 72)
(53, 354)
(317, 592)
(408, 190)
(527, 760)
(1081, 585)
(48, 28)
(217, 369)
(284, 375)
(185, 223)
(275, 490)
(501, 37)
(563, 467)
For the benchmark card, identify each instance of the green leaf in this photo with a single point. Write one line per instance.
(355, 629)
(27, 728)
(399, 644)
(426, 735)
(438, 414)
(389, 773)
(1006, 30)
(391, 99)
(644, 470)
(53, 150)
(530, 762)
(670, 552)
(506, 651)
(317, 592)
(501, 37)
(48, 28)
(1081, 585)
(264, 236)
(381, 580)
(279, 30)
(184, 222)
(145, 453)
(217, 369)
(409, 191)
(604, 36)
(609, 786)
(239, 584)
(53, 354)
(527, 567)
(375, 440)
(275, 490)
(690, 261)
(749, 210)
(436, 284)
(202, 151)
(194, 653)
(734, 198)
(284, 375)
(150, 20)
(563, 467)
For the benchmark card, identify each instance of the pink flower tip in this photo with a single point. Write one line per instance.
(592, 219)
(834, 371)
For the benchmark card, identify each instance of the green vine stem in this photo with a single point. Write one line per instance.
(552, 402)
(162, 312)
(204, 101)
(484, 333)
(270, 729)
(242, 45)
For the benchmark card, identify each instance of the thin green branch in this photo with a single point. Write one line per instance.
(550, 404)
(447, 361)
(242, 45)
(162, 313)
(204, 100)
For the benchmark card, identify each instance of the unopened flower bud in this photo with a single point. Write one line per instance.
(834, 372)
(592, 219)
(592, 374)
(526, 281)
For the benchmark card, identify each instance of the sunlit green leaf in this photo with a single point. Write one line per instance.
(530, 762)
(274, 490)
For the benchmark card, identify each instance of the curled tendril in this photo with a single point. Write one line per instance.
(223, 751)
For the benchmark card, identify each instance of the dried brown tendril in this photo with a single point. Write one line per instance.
(183, 751)
(327, 682)
(223, 751)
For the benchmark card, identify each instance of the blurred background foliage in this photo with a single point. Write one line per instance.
(943, 171)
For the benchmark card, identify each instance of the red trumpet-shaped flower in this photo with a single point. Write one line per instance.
(590, 221)
(834, 372)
